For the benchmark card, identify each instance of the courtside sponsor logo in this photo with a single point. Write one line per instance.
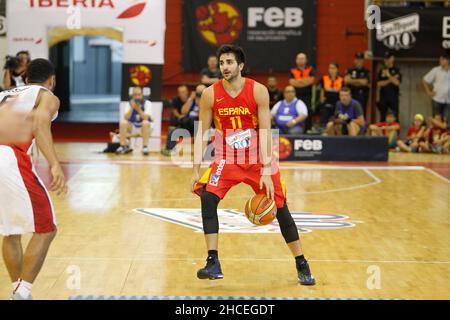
(398, 33)
(234, 221)
(215, 177)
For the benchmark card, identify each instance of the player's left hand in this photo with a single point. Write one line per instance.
(266, 181)
(58, 184)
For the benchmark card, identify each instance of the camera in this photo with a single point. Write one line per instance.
(11, 63)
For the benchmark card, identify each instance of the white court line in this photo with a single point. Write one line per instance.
(253, 259)
(441, 177)
(360, 186)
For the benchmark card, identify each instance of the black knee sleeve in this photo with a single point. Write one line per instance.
(287, 224)
(210, 203)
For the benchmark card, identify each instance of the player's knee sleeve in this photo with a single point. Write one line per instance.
(287, 224)
(210, 202)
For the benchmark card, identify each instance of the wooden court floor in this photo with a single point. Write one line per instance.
(394, 242)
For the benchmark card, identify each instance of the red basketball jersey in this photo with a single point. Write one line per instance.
(236, 121)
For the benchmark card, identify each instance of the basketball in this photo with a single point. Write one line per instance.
(260, 210)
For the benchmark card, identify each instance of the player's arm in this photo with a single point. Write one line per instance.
(265, 137)
(201, 142)
(47, 107)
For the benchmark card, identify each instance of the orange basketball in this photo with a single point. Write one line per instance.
(260, 210)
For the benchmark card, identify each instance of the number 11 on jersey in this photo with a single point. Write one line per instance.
(239, 122)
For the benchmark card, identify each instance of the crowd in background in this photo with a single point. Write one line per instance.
(336, 103)
(339, 106)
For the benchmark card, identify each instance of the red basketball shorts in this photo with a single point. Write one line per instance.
(221, 177)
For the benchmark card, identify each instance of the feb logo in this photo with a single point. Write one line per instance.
(284, 148)
(219, 22)
(140, 75)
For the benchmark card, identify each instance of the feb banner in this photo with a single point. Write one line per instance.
(412, 32)
(271, 33)
(303, 148)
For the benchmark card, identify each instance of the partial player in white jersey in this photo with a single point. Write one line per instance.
(15, 127)
(25, 203)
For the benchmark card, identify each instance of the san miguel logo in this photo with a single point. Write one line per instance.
(398, 33)
(219, 22)
(233, 221)
(140, 75)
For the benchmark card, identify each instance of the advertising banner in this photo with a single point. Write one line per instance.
(302, 148)
(271, 32)
(140, 25)
(413, 33)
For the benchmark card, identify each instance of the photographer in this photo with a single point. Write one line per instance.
(349, 119)
(15, 70)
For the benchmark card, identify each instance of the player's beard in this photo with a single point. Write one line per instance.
(230, 77)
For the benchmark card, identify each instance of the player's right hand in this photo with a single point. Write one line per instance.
(58, 184)
(194, 179)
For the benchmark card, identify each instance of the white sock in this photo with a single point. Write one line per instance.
(24, 288)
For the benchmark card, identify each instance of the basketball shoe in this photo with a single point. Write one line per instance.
(304, 274)
(212, 270)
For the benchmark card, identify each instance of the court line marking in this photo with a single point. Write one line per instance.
(254, 259)
(351, 188)
(434, 173)
(285, 165)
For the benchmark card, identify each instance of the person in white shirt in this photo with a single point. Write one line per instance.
(136, 121)
(437, 86)
(289, 115)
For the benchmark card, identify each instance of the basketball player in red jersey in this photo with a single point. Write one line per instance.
(25, 205)
(240, 110)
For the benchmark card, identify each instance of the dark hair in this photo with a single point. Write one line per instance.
(445, 54)
(23, 52)
(39, 71)
(334, 63)
(231, 48)
(346, 90)
(390, 113)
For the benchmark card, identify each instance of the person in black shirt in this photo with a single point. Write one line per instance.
(211, 74)
(302, 79)
(389, 79)
(357, 79)
(275, 94)
(177, 104)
